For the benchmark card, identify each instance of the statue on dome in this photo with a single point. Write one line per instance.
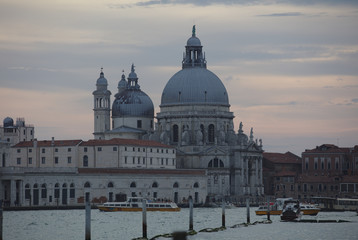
(193, 31)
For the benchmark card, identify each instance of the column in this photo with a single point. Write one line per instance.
(12, 192)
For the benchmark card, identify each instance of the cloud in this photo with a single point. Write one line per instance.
(204, 3)
(287, 14)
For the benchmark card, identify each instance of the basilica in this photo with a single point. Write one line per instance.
(194, 118)
(190, 148)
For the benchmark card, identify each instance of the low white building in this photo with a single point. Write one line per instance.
(59, 172)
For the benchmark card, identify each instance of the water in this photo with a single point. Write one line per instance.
(70, 224)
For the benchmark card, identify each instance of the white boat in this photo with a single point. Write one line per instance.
(291, 210)
(135, 204)
(309, 209)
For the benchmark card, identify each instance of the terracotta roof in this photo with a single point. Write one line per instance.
(141, 171)
(327, 148)
(287, 157)
(285, 173)
(122, 141)
(48, 143)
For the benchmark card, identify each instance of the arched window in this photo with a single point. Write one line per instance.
(175, 185)
(72, 191)
(175, 133)
(87, 185)
(216, 163)
(27, 191)
(196, 185)
(64, 194)
(85, 161)
(110, 185)
(43, 191)
(57, 190)
(211, 133)
(133, 185)
(155, 185)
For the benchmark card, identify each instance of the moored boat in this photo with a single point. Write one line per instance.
(309, 209)
(135, 204)
(291, 210)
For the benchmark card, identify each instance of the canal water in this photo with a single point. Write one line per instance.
(70, 224)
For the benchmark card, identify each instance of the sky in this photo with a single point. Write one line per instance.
(290, 67)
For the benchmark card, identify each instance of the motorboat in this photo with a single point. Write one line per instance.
(135, 204)
(291, 210)
(275, 208)
(309, 209)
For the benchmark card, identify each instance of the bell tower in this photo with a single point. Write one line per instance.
(102, 99)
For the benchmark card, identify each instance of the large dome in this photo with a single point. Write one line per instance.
(194, 86)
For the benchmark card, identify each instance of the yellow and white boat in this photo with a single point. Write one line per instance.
(276, 208)
(135, 204)
(309, 209)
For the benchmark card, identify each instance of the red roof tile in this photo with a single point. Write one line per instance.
(287, 157)
(122, 141)
(48, 143)
(141, 171)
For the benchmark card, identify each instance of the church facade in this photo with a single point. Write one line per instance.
(194, 118)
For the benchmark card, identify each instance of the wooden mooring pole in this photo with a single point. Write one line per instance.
(268, 208)
(223, 214)
(88, 217)
(1, 217)
(248, 209)
(144, 218)
(191, 227)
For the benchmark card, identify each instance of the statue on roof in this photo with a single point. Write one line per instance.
(193, 31)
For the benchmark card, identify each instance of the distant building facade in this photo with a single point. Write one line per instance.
(325, 171)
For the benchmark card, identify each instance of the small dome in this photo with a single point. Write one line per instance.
(132, 102)
(101, 81)
(193, 41)
(122, 83)
(8, 122)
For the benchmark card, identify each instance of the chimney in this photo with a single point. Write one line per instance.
(53, 141)
(35, 143)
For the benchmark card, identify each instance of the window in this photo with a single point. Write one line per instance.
(43, 191)
(19, 150)
(175, 133)
(143, 160)
(133, 149)
(151, 161)
(125, 160)
(167, 151)
(69, 149)
(114, 149)
(30, 150)
(85, 149)
(110, 185)
(139, 123)
(30, 160)
(18, 161)
(176, 185)
(87, 185)
(56, 149)
(56, 160)
(133, 185)
(43, 150)
(322, 163)
(69, 159)
(138, 149)
(155, 185)
(162, 161)
(72, 190)
(166, 161)
(196, 185)
(85, 161)
(315, 163)
(57, 190)
(125, 148)
(99, 149)
(43, 160)
(211, 133)
(27, 191)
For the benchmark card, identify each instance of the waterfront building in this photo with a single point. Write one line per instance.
(193, 149)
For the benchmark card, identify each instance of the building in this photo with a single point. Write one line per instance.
(193, 149)
(329, 171)
(60, 172)
(281, 173)
(194, 118)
